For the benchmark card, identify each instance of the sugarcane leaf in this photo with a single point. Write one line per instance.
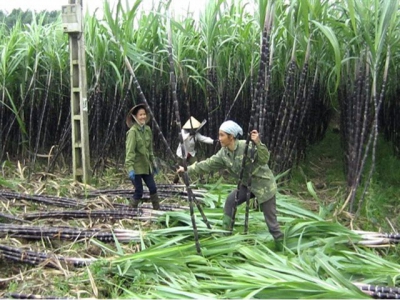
(120, 251)
(331, 36)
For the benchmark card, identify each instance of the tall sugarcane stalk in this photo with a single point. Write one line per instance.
(364, 89)
(111, 128)
(354, 136)
(260, 96)
(264, 55)
(62, 143)
(185, 176)
(277, 142)
(40, 131)
(375, 132)
(355, 147)
(303, 108)
(294, 124)
(248, 194)
(265, 73)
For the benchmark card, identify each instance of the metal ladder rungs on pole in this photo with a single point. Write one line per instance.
(73, 25)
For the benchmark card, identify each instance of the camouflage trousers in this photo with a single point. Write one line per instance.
(268, 208)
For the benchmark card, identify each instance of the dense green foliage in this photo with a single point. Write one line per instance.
(10, 19)
(330, 90)
(324, 59)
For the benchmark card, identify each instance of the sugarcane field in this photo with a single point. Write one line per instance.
(248, 150)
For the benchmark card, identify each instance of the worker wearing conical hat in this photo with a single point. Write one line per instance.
(191, 135)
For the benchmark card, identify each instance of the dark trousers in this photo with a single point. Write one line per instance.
(268, 208)
(148, 180)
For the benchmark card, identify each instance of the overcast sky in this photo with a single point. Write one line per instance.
(179, 6)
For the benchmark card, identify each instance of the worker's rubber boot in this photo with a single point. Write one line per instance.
(226, 222)
(154, 201)
(135, 203)
(279, 244)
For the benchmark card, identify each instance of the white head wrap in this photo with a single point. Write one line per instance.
(232, 128)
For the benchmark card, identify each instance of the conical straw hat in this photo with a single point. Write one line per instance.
(192, 123)
(133, 111)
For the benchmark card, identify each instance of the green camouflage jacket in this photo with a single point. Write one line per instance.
(263, 184)
(139, 150)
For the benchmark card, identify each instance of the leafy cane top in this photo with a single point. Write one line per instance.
(263, 184)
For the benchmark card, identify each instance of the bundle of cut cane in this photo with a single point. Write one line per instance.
(31, 296)
(72, 203)
(49, 200)
(163, 191)
(36, 258)
(147, 206)
(379, 292)
(68, 233)
(107, 214)
(377, 239)
(10, 217)
(120, 212)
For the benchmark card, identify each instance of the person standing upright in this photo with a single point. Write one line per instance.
(139, 159)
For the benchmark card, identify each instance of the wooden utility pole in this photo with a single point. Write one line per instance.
(73, 25)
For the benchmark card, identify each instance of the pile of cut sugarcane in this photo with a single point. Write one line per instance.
(96, 207)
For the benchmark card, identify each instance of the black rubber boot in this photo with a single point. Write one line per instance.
(135, 203)
(226, 222)
(154, 201)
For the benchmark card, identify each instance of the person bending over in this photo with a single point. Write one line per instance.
(263, 185)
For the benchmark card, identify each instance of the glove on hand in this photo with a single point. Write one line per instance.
(132, 175)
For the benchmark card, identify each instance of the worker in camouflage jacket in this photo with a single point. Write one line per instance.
(263, 185)
(139, 158)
